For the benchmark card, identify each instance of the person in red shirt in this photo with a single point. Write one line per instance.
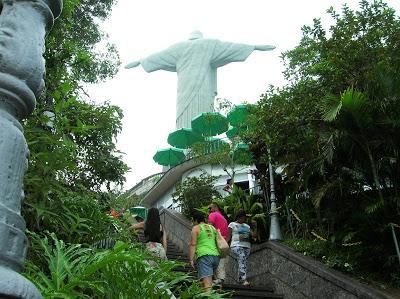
(113, 213)
(217, 220)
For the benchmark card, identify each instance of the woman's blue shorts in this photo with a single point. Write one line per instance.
(206, 265)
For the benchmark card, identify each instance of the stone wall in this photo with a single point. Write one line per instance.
(291, 274)
(298, 276)
(178, 228)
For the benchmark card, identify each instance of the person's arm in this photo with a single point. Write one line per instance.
(264, 47)
(227, 188)
(139, 225)
(192, 245)
(253, 229)
(164, 240)
(229, 236)
(132, 64)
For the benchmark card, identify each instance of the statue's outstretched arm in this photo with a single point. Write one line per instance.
(264, 47)
(132, 64)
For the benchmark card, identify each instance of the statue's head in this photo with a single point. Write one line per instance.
(195, 35)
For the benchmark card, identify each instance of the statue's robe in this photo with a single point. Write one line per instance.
(195, 62)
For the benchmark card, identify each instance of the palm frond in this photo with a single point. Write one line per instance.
(333, 105)
(352, 99)
(329, 188)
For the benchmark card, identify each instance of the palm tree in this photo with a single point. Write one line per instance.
(352, 117)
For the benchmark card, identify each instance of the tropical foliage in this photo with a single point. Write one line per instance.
(75, 271)
(195, 192)
(334, 128)
(75, 172)
(254, 205)
(73, 163)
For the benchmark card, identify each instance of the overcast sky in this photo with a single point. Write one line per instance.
(140, 28)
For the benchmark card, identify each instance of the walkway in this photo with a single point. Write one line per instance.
(239, 291)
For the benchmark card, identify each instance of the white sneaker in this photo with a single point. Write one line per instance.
(217, 282)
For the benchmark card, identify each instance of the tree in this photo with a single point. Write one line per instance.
(334, 127)
(195, 192)
(71, 139)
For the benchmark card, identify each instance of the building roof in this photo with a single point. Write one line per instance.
(144, 185)
(166, 182)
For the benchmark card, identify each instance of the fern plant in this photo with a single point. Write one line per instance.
(73, 271)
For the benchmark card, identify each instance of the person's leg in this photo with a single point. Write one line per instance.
(246, 254)
(206, 282)
(205, 267)
(242, 254)
(238, 251)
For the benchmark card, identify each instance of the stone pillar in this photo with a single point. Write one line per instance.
(23, 25)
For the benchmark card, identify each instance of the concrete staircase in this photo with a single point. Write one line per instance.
(238, 291)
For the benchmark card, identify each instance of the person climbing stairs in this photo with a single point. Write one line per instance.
(238, 291)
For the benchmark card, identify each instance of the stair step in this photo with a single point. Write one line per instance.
(260, 288)
(251, 294)
(172, 257)
(184, 261)
(238, 291)
(176, 253)
(270, 296)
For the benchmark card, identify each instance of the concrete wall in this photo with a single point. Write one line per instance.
(166, 199)
(291, 274)
(178, 229)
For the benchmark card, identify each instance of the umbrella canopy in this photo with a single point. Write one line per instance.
(241, 154)
(235, 131)
(210, 123)
(169, 156)
(238, 115)
(184, 138)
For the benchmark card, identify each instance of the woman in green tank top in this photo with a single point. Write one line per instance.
(203, 246)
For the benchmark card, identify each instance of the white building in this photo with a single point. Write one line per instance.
(160, 195)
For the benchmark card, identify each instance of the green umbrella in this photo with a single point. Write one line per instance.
(241, 154)
(169, 156)
(184, 138)
(210, 123)
(235, 131)
(238, 115)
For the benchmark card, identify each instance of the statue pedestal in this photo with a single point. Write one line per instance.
(14, 285)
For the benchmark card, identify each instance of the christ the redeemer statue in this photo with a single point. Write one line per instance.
(196, 61)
